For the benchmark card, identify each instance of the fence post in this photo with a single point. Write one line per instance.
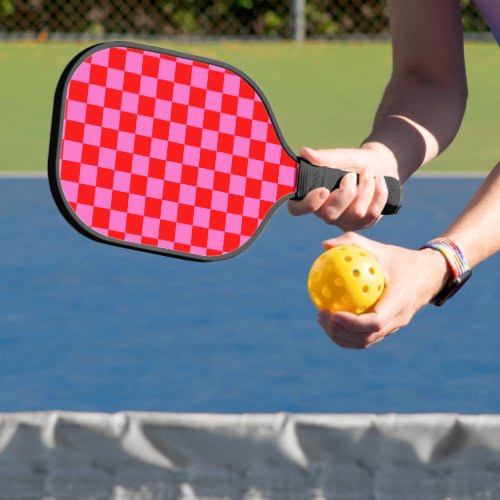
(299, 20)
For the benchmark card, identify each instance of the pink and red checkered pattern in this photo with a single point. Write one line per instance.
(169, 152)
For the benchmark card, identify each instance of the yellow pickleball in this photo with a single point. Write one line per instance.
(346, 278)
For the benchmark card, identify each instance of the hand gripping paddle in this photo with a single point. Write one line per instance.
(171, 153)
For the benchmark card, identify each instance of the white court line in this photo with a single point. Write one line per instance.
(455, 174)
(23, 175)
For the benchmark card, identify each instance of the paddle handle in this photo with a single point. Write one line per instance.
(311, 177)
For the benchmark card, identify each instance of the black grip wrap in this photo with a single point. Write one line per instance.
(311, 177)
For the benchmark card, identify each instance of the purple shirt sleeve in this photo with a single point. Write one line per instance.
(490, 9)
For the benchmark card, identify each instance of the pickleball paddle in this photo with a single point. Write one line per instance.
(171, 153)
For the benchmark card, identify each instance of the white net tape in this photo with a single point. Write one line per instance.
(155, 456)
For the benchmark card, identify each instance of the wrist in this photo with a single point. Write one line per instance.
(386, 156)
(437, 272)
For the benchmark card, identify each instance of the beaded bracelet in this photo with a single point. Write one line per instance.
(460, 269)
(452, 254)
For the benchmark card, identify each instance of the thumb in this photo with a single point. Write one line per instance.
(349, 238)
(338, 158)
(312, 155)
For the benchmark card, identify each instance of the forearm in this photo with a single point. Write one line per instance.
(416, 120)
(477, 230)
(424, 103)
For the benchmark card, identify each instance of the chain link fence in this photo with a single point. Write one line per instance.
(283, 19)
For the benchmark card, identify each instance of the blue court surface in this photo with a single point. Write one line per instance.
(91, 327)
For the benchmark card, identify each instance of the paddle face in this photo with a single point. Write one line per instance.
(165, 152)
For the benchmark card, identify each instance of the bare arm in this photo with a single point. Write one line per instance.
(477, 229)
(418, 117)
(424, 102)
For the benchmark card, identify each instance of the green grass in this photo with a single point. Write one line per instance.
(323, 94)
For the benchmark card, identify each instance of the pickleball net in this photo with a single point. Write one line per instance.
(159, 456)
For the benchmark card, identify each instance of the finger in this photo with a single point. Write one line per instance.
(338, 334)
(374, 221)
(369, 202)
(371, 343)
(380, 196)
(376, 338)
(362, 324)
(353, 341)
(344, 344)
(362, 340)
(347, 338)
(385, 318)
(365, 191)
(348, 238)
(341, 339)
(338, 201)
(358, 224)
(392, 332)
(314, 156)
(324, 318)
(311, 203)
(365, 209)
(391, 312)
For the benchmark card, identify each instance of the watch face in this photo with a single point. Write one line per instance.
(451, 288)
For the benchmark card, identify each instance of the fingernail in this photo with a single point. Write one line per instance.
(324, 194)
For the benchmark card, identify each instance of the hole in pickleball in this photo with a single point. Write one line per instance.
(317, 276)
(362, 254)
(356, 273)
(346, 299)
(366, 289)
(339, 281)
(379, 287)
(327, 293)
(372, 270)
(336, 306)
(330, 268)
(359, 310)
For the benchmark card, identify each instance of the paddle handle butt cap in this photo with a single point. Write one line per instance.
(312, 177)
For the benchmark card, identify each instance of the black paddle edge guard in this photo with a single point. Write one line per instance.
(55, 149)
(311, 177)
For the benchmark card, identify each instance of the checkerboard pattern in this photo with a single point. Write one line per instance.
(169, 152)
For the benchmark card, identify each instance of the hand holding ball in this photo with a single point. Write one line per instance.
(346, 278)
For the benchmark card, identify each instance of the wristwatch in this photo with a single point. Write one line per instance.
(460, 270)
